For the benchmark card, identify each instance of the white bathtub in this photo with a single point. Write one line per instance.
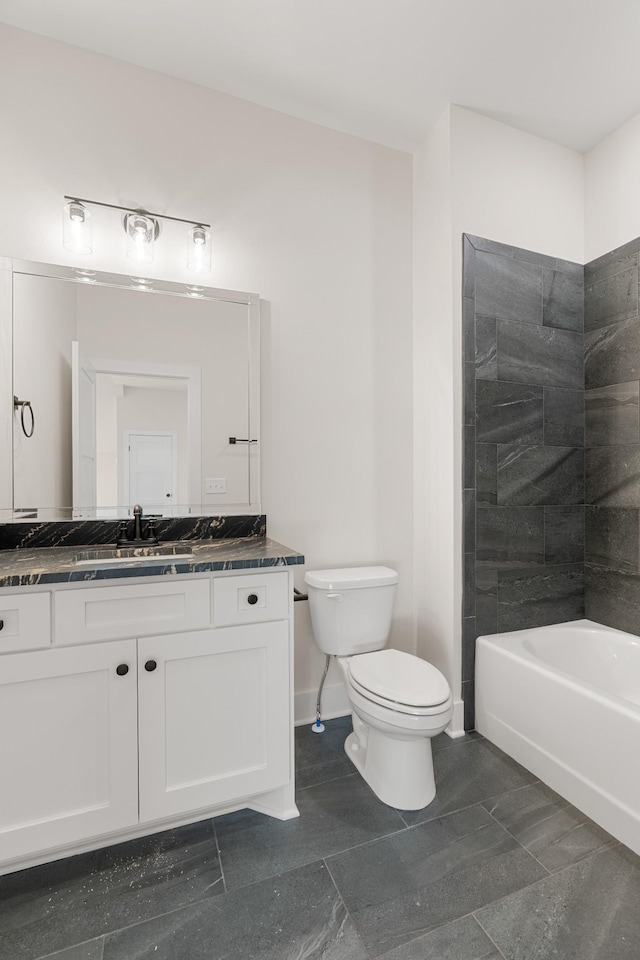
(564, 701)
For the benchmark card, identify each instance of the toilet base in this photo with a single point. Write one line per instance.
(399, 771)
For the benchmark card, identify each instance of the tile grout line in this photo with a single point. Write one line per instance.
(346, 909)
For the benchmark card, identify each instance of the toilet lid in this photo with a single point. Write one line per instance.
(399, 677)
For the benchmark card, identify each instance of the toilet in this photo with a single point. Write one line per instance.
(399, 701)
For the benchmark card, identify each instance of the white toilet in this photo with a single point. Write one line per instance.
(399, 701)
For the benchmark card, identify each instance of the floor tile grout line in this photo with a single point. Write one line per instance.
(219, 852)
(347, 911)
(489, 937)
(81, 943)
(521, 845)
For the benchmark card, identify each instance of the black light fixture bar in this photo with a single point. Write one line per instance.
(146, 213)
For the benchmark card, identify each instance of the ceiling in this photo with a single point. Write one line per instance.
(567, 70)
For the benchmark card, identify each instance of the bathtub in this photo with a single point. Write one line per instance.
(564, 701)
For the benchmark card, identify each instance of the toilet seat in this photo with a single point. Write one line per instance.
(400, 682)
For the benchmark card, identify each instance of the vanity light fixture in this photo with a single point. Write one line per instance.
(76, 227)
(142, 229)
(199, 249)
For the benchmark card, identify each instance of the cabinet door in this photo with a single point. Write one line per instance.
(68, 750)
(213, 717)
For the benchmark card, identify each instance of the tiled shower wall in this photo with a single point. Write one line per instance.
(524, 514)
(612, 371)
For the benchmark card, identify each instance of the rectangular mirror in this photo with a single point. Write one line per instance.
(124, 391)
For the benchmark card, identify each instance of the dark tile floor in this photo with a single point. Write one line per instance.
(497, 868)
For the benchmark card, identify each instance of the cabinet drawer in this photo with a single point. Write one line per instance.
(109, 613)
(250, 598)
(26, 622)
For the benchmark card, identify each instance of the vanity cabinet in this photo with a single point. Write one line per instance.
(68, 750)
(120, 726)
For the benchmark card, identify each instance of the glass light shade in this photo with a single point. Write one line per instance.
(199, 249)
(141, 233)
(76, 227)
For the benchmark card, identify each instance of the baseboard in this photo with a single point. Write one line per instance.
(456, 727)
(335, 703)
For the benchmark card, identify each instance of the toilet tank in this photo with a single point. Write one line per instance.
(351, 608)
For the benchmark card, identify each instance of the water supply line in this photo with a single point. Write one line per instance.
(318, 726)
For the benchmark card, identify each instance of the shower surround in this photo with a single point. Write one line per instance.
(551, 355)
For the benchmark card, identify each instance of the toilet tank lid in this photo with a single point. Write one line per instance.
(350, 578)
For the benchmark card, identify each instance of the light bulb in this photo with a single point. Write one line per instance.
(76, 228)
(199, 249)
(141, 233)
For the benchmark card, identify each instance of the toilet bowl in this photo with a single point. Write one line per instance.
(399, 701)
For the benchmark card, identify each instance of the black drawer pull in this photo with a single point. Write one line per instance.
(150, 666)
(252, 598)
(1, 624)
(122, 669)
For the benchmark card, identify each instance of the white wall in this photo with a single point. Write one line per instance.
(317, 222)
(44, 326)
(612, 190)
(508, 186)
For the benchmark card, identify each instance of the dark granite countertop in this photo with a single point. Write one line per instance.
(27, 567)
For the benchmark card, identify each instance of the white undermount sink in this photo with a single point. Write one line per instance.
(112, 556)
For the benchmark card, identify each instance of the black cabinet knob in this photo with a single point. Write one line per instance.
(150, 666)
(252, 598)
(122, 669)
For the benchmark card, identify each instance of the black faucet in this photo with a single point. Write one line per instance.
(140, 538)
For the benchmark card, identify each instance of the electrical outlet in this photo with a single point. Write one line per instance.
(215, 485)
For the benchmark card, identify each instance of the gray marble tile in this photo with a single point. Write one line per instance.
(612, 414)
(469, 594)
(508, 289)
(298, 916)
(564, 534)
(485, 773)
(612, 598)
(313, 749)
(613, 298)
(333, 816)
(459, 940)
(468, 330)
(469, 405)
(617, 261)
(468, 647)
(540, 596)
(486, 616)
(548, 826)
(588, 911)
(468, 268)
(468, 688)
(469, 513)
(51, 907)
(468, 466)
(510, 536)
(529, 476)
(486, 349)
(612, 476)
(612, 354)
(323, 772)
(84, 951)
(444, 742)
(563, 299)
(541, 355)
(402, 887)
(486, 600)
(486, 479)
(563, 417)
(508, 412)
(612, 537)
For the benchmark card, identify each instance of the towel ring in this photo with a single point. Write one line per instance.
(25, 404)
